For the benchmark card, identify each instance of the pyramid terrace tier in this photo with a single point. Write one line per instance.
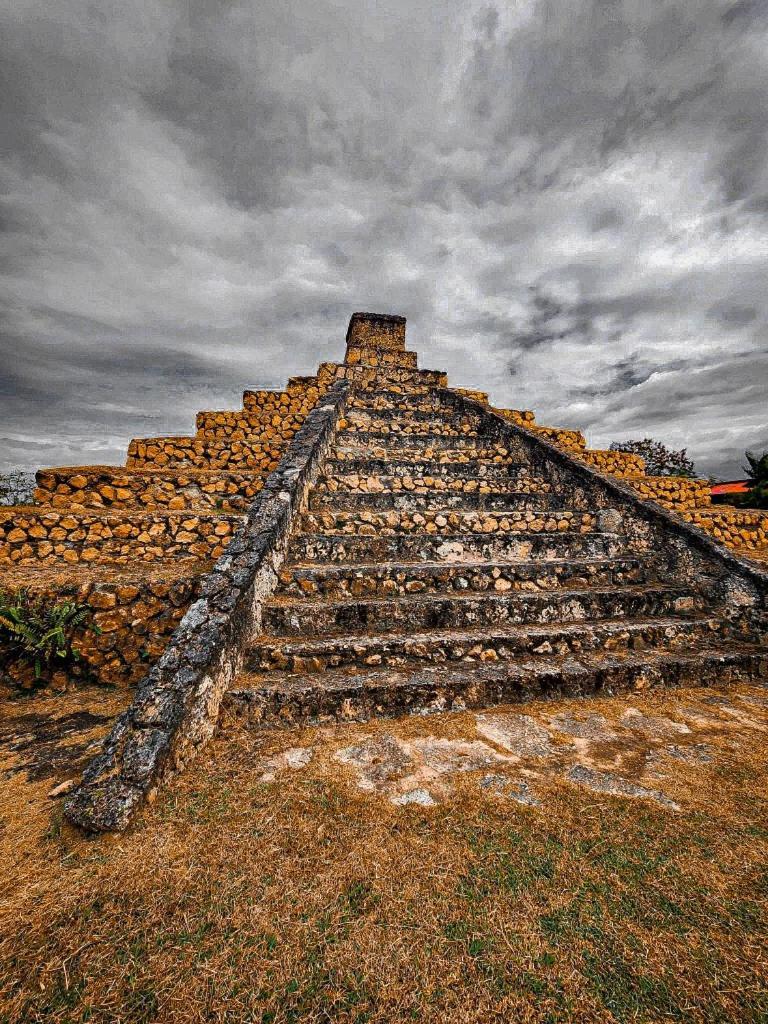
(135, 611)
(383, 400)
(453, 548)
(347, 695)
(479, 644)
(239, 425)
(256, 454)
(31, 534)
(388, 579)
(392, 378)
(166, 488)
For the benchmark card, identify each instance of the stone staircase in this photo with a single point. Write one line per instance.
(436, 568)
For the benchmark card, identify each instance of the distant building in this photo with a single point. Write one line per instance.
(721, 493)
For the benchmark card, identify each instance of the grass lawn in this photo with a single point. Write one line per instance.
(275, 887)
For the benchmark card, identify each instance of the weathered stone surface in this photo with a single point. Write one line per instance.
(512, 789)
(519, 734)
(607, 782)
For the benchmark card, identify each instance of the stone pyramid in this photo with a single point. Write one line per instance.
(384, 544)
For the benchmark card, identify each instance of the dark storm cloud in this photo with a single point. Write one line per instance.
(568, 201)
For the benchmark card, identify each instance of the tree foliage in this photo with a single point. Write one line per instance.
(659, 460)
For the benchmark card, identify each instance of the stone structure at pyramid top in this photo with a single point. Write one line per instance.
(377, 339)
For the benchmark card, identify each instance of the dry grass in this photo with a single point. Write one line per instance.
(309, 900)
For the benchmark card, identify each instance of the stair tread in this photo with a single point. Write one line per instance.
(341, 569)
(477, 634)
(367, 677)
(287, 601)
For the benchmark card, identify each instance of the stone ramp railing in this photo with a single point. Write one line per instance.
(175, 709)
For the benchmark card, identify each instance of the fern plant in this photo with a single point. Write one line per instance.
(40, 631)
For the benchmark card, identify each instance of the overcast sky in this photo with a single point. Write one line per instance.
(568, 199)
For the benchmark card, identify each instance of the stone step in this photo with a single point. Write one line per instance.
(410, 501)
(419, 448)
(400, 578)
(385, 523)
(116, 487)
(32, 534)
(291, 617)
(476, 645)
(393, 474)
(453, 548)
(412, 422)
(339, 694)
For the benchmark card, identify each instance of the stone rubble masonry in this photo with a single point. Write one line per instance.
(30, 535)
(135, 613)
(176, 705)
(111, 487)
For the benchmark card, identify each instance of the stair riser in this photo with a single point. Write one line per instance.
(452, 549)
(401, 446)
(407, 424)
(436, 501)
(435, 522)
(394, 580)
(315, 618)
(401, 652)
(424, 477)
(357, 701)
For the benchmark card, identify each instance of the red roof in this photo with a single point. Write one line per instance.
(731, 487)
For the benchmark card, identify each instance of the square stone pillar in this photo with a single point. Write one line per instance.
(377, 339)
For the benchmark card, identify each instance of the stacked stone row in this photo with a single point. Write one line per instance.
(742, 529)
(49, 538)
(357, 483)
(106, 487)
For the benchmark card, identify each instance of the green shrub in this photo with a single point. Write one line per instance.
(757, 472)
(40, 631)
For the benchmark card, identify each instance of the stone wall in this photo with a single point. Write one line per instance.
(673, 492)
(618, 464)
(135, 615)
(744, 530)
(109, 487)
(35, 536)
